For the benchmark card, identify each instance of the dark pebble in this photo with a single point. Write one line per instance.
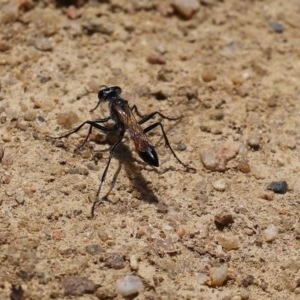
(223, 219)
(17, 292)
(77, 286)
(35, 135)
(277, 27)
(181, 147)
(44, 79)
(278, 187)
(248, 281)
(114, 261)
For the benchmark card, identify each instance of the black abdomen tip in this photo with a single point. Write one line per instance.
(149, 156)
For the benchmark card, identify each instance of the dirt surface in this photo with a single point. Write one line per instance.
(231, 69)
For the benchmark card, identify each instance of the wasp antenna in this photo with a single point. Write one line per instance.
(100, 99)
(96, 105)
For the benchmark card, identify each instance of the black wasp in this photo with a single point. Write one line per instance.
(122, 116)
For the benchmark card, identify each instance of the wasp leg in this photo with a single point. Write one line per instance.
(111, 153)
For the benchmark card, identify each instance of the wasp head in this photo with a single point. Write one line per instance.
(108, 94)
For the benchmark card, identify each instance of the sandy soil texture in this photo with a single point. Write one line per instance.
(231, 69)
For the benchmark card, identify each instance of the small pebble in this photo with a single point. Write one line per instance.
(272, 101)
(181, 232)
(181, 147)
(215, 158)
(283, 212)
(202, 278)
(244, 166)
(129, 285)
(277, 27)
(40, 120)
(156, 59)
(43, 44)
(228, 242)
(249, 231)
(7, 160)
(134, 265)
(43, 277)
(218, 275)
(105, 292)
(10, 191)
(140, 233)
(114, 261)
(45, 105)
(161, 48)
(223, 219)
(248, 280)
(254, 142)
(186, 8)
(77, 286)
(92, 166)
(6, 137)
(19, 197)
(29, 115)
(270, 233)
(237, 80)
(219, 185)
(58, 234)
(68, 119)
(208, 75)
(72, 12)
(278, 187)
(93, 249)
(104, 237)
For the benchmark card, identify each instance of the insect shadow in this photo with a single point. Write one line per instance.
(124, 156)
(123, 116)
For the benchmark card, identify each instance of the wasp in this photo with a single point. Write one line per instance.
(122, 115)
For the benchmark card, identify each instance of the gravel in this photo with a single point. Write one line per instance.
(278, 187)
(129, 285)
(219, 185)
(186, 8)
(270, 233)
(77, 286)
(218, 275)
(215, 158)
(93, 249)
(114, 260)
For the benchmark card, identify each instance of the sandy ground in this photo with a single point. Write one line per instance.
(231, 69)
